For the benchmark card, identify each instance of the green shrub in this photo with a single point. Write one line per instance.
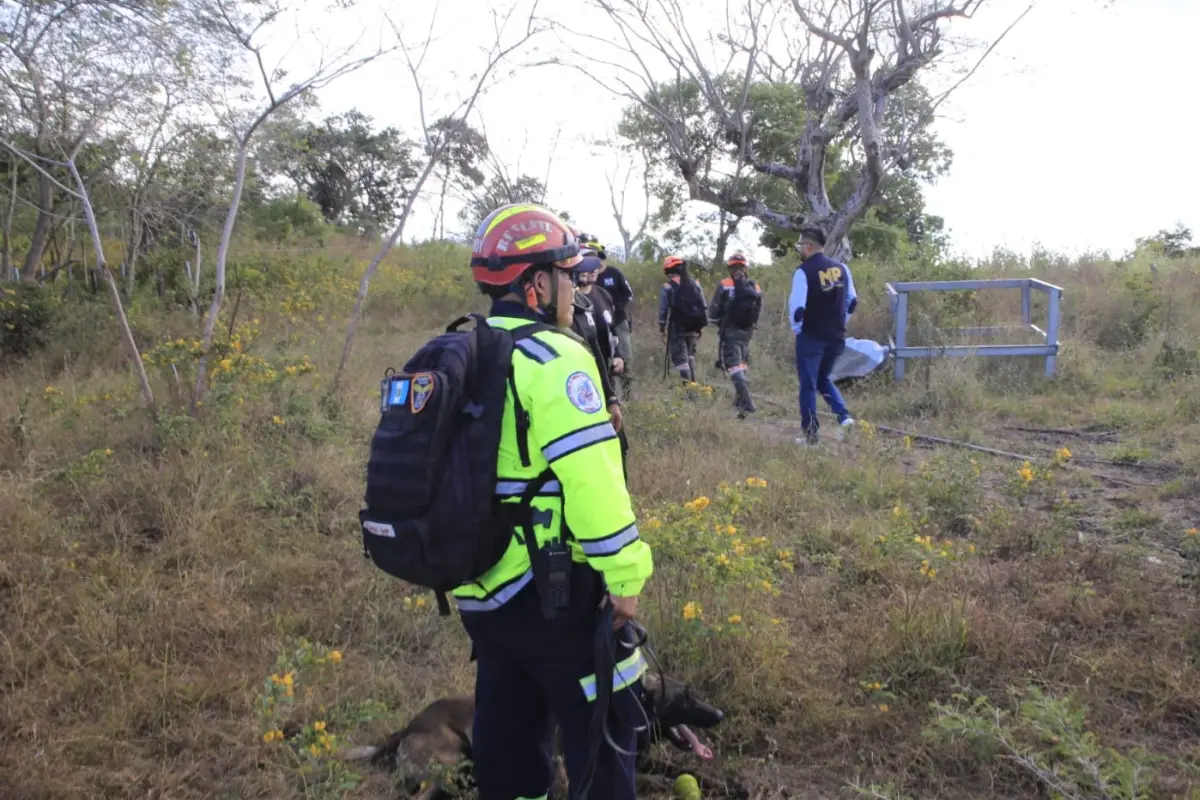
(26, 314)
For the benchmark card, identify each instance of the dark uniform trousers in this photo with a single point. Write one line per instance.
(528, 675)
(735, 347)
(682, 348)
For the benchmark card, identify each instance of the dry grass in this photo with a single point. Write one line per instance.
(148, 594)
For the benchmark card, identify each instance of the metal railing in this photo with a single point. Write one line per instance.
(1048, 348)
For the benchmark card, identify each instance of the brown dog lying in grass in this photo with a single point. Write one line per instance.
(440, 735)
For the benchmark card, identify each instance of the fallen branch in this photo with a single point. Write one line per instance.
(924, 437)
(1063, 432)
(1149, 465)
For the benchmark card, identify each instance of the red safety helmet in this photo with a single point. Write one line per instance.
(737, 259)
(672, 262)
(516, 237)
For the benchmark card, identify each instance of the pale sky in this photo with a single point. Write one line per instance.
(1077, 133)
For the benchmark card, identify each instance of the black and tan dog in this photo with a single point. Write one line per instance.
(441, 733)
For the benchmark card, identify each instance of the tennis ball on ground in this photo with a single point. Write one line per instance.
(686, 787)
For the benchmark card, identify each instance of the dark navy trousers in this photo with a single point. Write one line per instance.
(528, 674)
(814, 362)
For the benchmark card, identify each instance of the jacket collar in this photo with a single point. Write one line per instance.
(514, 310)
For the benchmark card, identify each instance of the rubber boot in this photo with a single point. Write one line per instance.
(742, 400)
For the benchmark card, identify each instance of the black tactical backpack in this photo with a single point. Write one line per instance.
(744, 306)
(689, 311)
(432, 517)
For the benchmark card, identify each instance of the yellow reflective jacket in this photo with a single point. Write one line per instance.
(570, 432)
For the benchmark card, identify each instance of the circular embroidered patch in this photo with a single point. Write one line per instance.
(582, 393)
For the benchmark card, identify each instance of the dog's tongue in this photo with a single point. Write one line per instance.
(698, 747)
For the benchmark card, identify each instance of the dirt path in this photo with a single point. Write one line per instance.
(1120, 502)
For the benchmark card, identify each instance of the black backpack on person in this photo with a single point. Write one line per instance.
(744, 306)
(689, 310)
(432, 517)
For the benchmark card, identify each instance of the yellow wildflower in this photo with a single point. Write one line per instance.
(692, 611)
(226, 364)
(277, 420)
(734, 619)
(1191, 532)
(731, 530)
(319, 725)
(1063, 453)
(883, 707)
(335, 656)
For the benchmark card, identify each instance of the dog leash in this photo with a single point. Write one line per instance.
(604, 656)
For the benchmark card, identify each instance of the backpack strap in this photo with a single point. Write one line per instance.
(443, 603)
(525, 515)
(540, 352)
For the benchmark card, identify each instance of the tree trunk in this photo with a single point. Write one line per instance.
(114, 293)
(724, 233)
(210, 321)
(41, 229)
(6, 266)
(722, 241)
(196, 273)
(135, 245)
(365, 284)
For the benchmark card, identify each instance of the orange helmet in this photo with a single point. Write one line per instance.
(737, 259)
(671, 263)
(516, 237)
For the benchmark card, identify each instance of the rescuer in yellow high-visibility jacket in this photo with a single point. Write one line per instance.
(536, 658)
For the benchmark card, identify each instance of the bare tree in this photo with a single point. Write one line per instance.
(630, 238)
(66, 65)
(7, 270)
(439, 136)
(44, 166)
(848, 58)
(245, 30)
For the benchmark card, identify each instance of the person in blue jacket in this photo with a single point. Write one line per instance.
(819, 306)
